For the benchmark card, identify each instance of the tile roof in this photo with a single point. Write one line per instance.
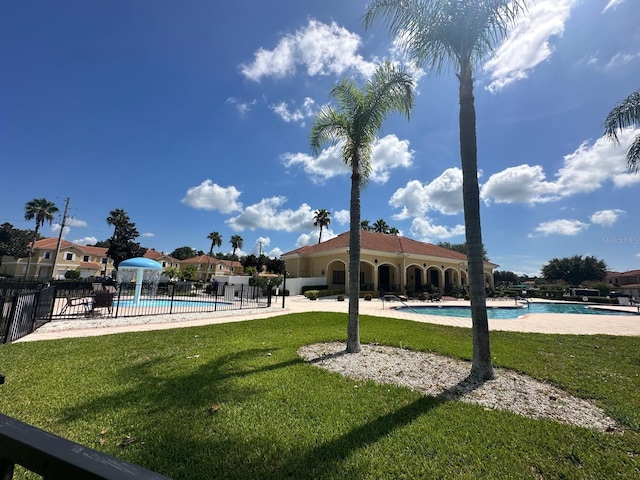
(51, 243)
(381, 242)
(155, 255)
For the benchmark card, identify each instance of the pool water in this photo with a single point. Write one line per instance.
(167, 303)
(505, 312)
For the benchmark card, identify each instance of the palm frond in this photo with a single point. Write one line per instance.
(329, 126)
(625, 114)
(633, 155)
(442, 33)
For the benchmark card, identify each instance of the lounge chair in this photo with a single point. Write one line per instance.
(102, 300)
(75, 302)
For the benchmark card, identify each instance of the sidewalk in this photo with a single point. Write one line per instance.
(540, 323)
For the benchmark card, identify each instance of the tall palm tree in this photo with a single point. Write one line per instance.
(42, 210)
(216, 240)
(236, 243)
(321, 219)
(116, 219)
(356, 123)
(436, 34)
(626, 114)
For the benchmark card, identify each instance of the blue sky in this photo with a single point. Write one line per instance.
(195, 116)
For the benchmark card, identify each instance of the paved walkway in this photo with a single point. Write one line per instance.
(541, 323)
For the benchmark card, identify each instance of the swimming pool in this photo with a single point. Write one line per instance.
(507, 312)
(169, 303)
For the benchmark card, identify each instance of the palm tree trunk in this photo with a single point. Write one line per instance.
(482, 368)
(353, 327)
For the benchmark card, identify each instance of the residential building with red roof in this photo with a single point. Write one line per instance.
(216, 267)
(90, 261)
(387, 263)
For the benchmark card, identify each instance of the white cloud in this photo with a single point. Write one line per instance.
(527, 44)
(242, 107)
(606, 218)
(521, 184)
(620, 59)
(267, 215)
(294, 115)
(388, 153)
(311, 238)
(343, 217)
(584, 170)
(147, 234)
(74, 222)
(85, 241)
(424, 230)
(211, 196)
(560, 227)
(319, 48)
(612, 4)
(443, 194)
(326, 165)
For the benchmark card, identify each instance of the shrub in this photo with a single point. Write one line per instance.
(72, 274)
(306, 288)
(341, 298)
(311, 294)
(367, 297)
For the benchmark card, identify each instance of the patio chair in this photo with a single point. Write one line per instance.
(102, 300)
(75, 302)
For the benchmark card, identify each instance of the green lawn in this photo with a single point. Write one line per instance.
(235, 401)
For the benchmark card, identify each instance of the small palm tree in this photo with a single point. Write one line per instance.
(216, 240)
(380, 226)
(236, 243)
(393, 231)
(356, 123)
(437, 33)
(42, 210)
(321, 219)
(364, 225)
(626, 114)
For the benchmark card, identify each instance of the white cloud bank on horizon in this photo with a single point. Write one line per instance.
(527, 44)
(319, 48)
(560, 227)
(572, 227)
(388, 153)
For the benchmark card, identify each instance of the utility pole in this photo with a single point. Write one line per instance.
(64, 222)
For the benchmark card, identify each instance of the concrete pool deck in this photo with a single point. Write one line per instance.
(535, 323)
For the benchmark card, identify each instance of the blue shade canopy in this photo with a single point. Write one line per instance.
(140, 262)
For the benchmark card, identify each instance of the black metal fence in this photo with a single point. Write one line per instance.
(129, 299)
(25, 306)
(21, 313)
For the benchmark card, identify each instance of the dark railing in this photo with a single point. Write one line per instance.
(129, 299)
(25, 306)
(22, 313)
(54, 457)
